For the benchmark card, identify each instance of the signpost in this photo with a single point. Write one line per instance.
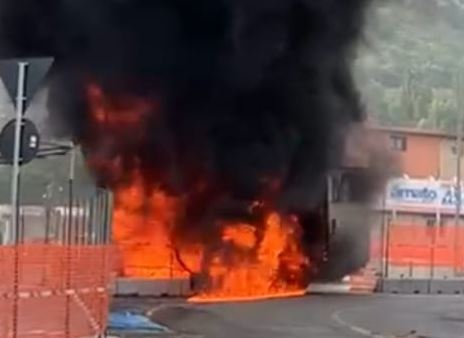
(20, 108)
(30, 142)
(21, 78)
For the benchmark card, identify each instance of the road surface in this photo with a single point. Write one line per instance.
(313, 316)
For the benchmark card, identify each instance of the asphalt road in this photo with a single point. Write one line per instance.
(313, 316)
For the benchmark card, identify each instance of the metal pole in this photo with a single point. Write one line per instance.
(432, 257)
(48, 207)
(69, 242)
(92, 220)
(12, 235)
(387, 249)
(459, 135)
(383, 238)
(98, 218)
(110, 217)
(71, 194)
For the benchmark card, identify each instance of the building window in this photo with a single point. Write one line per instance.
(348, 188)
(454, 150)
(398, 142)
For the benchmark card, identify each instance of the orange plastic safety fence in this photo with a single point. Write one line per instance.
(420, 245)
(62, 291)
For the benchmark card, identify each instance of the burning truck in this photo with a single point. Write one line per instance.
(229, 247)
(216, 124)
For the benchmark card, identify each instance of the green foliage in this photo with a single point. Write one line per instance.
(406, 71)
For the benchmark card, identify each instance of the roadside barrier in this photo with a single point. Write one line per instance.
(410, 250)
(54, 280)
(62, 291)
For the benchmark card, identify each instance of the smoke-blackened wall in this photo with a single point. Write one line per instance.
(246, 99)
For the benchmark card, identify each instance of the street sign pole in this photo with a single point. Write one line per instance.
(14, 236)
(21, 77)
(13, 233)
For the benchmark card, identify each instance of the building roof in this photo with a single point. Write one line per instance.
(414, 131)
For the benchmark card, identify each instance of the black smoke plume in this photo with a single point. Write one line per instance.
(250, 99)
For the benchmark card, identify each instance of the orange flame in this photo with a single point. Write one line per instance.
(272, 269)
(120, 112)
(241, 235)
(142, 229)
(254, 261)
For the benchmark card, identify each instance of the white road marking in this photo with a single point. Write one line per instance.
(363, 331)
(357, 329)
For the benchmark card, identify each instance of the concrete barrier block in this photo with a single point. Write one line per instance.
(147, 287)
(447, 286)
(405, 286)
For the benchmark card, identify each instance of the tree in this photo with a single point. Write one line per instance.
(406, 70)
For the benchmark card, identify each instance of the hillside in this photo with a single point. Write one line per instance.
(408, 65)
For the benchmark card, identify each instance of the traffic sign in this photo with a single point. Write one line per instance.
(37, 69)
(30, 141)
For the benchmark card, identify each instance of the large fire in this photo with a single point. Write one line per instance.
(268, 267)
(249, 260)
(142, 228)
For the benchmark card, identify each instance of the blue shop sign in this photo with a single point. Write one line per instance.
(422, 192)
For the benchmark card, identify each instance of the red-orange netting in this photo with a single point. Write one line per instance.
(54, 291)
(419, 245)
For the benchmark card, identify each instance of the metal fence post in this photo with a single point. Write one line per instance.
(69, 243)
(387, 249)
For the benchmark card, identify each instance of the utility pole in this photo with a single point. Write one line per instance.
(459, 135)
